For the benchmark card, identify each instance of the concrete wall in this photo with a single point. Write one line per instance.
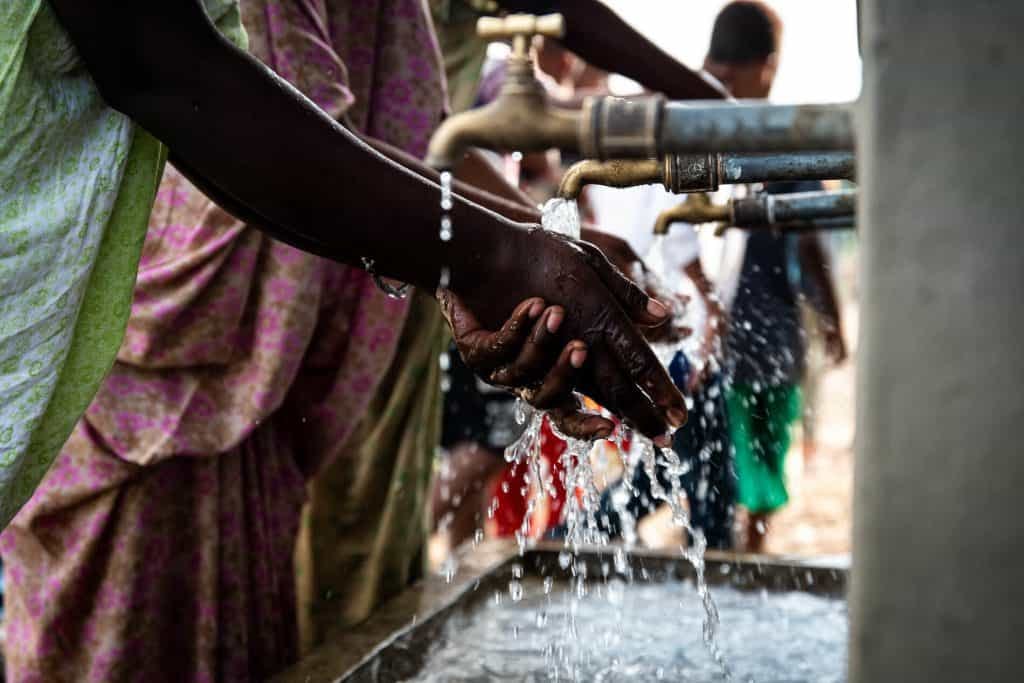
(938, 582)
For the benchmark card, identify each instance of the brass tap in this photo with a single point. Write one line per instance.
(614, 173)
(521, 118)
(697, 209)
(678, 173)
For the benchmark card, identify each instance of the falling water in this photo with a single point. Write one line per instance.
(562, 216)
(446, 233)
(582, 497)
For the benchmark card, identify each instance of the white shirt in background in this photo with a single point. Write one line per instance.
(630, 213)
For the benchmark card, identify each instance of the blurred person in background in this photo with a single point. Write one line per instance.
(766, 341)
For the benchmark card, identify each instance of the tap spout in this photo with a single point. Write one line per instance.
(614, 173)
(519, 119)
(695, 210)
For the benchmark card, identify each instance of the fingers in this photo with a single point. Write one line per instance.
(482, 349)
(642, 367)
(557, 388)
(641, 308)
(612, 387)
(555, 395)
(581, 425)
(534, 357)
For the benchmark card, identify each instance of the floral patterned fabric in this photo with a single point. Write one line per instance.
(77, 181)
(159, 546)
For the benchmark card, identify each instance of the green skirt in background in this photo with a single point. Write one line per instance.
(759, 422)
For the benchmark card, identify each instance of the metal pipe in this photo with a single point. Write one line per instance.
(816, 225)
(796, 212)
(685, 173)
(613, 127)
(705, 172)
(790, 208)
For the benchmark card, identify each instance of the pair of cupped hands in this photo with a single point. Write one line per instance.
(578, 324)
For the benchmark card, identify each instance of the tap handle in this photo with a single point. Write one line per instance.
(521, 27)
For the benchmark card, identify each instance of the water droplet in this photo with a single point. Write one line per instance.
(450, 567)
(564, 559)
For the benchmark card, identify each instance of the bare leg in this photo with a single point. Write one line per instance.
(757, 531)
(460, 489)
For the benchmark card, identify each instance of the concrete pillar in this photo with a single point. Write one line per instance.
(938, 571)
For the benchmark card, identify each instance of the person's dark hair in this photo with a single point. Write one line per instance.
(745, 31)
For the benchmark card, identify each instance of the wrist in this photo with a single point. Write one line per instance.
(487, 246)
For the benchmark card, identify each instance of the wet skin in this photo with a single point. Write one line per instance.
(306, 180)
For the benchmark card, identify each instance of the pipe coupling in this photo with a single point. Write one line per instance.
(614, 127)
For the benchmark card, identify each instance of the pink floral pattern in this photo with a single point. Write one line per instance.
(159, 546)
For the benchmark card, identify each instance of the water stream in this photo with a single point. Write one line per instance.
(446, 232)
(582, 499)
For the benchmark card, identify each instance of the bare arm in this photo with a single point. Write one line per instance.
(290, 165)
(601, 37)
(475, 179)
(316, 185)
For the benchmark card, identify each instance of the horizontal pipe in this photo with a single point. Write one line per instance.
(763, 168)
(816, 225)
(613, 127)
(705, 172)
(789, 208)
(749, 127)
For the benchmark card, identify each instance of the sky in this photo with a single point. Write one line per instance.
(819, 60)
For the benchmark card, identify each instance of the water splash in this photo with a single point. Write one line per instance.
(582, 495)
(579, 514)
(446, 231)
(622, 636)
(562, 216)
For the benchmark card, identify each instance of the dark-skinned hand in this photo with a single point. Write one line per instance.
(625, 259)
(522, 347)
(599, 308)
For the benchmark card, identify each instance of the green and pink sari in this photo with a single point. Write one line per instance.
(160, 545)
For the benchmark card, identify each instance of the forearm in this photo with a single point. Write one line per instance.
(602, 38)
(475, 179)
(316, 185)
